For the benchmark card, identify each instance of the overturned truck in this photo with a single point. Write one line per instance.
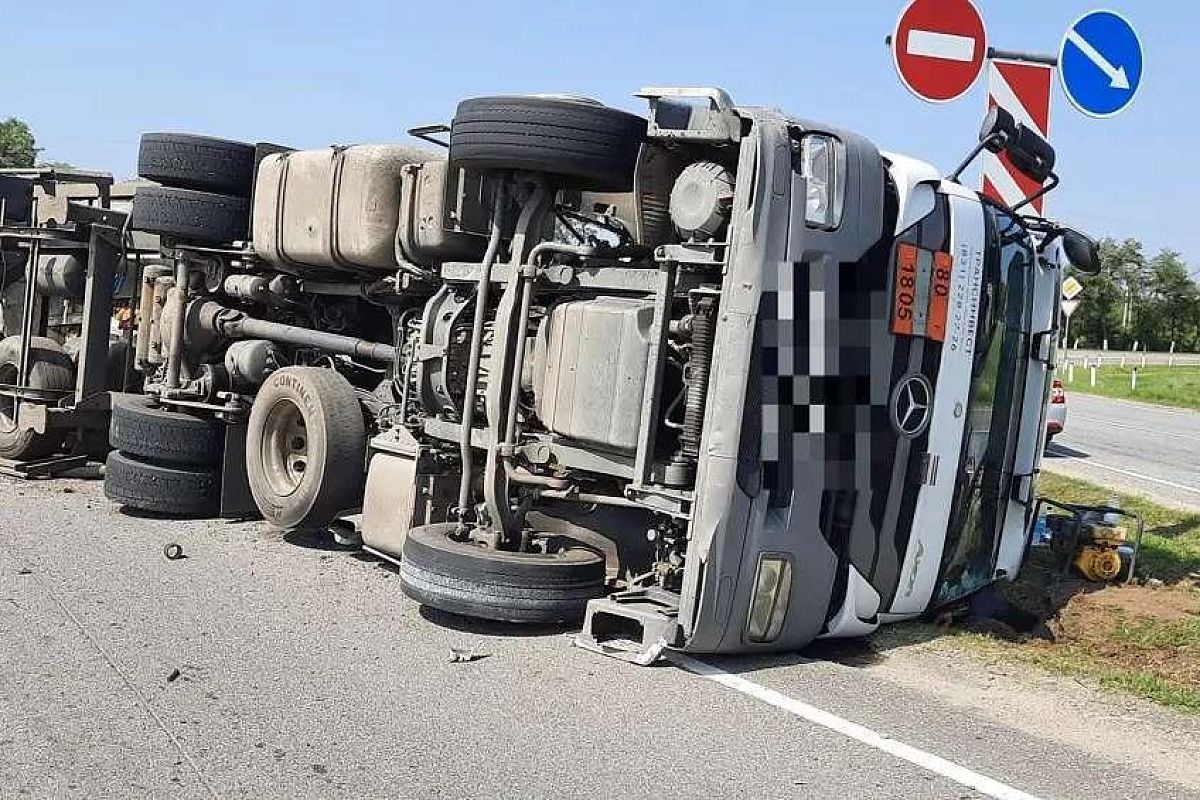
(721, 379)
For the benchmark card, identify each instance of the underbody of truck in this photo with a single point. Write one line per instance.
(722, 380)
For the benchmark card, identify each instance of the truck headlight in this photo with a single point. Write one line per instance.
(769, 603)
(823, 164)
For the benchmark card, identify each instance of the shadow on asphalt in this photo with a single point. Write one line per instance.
(846, 652)
(1062, 451)
(139, 513)
(90, 472)
(317, 540)
(482, 627)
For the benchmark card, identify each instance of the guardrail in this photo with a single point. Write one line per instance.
(1116, 358)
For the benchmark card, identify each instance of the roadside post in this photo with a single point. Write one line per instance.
(1133, 380)
(1071, 289)
(1070, 372)
(1093, 373)
(1022, 85)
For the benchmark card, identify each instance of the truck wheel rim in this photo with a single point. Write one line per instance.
(285, 448)
(8, 405)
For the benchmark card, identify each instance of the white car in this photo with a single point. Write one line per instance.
(1056, 413)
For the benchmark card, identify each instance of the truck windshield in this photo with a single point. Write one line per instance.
(993, 416)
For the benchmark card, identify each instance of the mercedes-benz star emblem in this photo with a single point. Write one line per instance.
(912, 406)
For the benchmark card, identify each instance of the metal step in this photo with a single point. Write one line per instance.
(634, 626)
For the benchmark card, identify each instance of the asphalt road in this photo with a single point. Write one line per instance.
(304, 672)
(1146, 449)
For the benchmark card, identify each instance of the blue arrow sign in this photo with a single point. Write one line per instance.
(1100, 63)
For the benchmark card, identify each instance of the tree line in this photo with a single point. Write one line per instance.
(18, 148)
(1152, 302)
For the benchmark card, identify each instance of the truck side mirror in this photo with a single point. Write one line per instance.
(1081, 251)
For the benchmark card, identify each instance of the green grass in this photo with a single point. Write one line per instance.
(1171, 547)
(1151, 634)
(1168, 386)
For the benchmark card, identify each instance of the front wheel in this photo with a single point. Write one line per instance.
(305, 448)
(462, 577)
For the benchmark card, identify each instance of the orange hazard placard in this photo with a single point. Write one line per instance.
(905, 288)
(922, 277)
(939, 296)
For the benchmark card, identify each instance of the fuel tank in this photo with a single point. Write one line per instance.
(335, 209)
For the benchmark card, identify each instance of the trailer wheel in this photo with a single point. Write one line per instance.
(305, 447)
(594, 146)
(161, 488)
(163, 436)
(195, 216)
(49, 368)
(465, 578)
(203, 163)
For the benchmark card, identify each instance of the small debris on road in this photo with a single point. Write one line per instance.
(174, 676)
(173, 551)
(24, 571)
(465, 655)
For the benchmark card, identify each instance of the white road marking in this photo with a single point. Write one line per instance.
(1127, 472)
(925, 760)
(947, 46)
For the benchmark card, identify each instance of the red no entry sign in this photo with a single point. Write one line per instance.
(939, 47)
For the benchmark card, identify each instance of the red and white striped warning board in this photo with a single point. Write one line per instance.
(1022, 89)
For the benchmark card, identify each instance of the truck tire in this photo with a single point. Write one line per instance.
(185, 161)
(305, 448)
(593, 146)
(161, 488)
(190, 215)
(464, 578)
(157, 434)
(49, 368)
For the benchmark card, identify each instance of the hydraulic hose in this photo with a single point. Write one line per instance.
(236, 325)
(482, 290)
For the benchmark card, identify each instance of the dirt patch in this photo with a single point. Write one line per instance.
(1149, 630)
(1138, 638)
(1165, 604)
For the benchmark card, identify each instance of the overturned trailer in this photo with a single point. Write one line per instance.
(723, 379)
(67, 260)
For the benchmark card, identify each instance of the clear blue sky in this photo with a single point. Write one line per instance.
(90, 77)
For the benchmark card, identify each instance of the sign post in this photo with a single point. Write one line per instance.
(1023, 89)
(1071, 288)
(939, 47)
